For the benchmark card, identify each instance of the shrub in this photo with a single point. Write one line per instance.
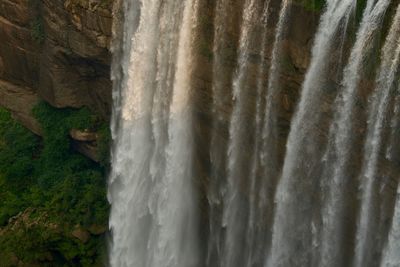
(49, 176)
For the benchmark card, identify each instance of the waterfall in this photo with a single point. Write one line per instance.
(153, 216)
(379, 103)
(341, 134)
(391, 256)
(235, 207)
(218, 147)
(199, 172)
(292, 241)
(394, 125)
(266, 140)
(259, 204)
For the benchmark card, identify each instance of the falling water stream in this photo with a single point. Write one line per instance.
(238, 96)
(152, 156)
(385, 79)
(293, 229)
(341, 135)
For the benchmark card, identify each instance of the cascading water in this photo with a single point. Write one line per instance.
(394, 125)
(366, 239)
(259, 204)
(153, 204)
(391, 256)
(292, 242)
(218, 147)
(235, 208)
(341, 134)
(252, 204)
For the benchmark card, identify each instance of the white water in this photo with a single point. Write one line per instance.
(156, 219)
(265, 164)
(235, 209)
(377, 112)
(391, 255)
(153, 217)
(341, 135)
(394, 125)
(259, 205)
(292, 242)
(217, 147)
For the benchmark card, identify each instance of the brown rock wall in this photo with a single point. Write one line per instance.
(59, 49)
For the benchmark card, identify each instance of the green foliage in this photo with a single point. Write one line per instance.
(56, 124)
(317, 5)
(36, 23)
(44, 246)
(106, 3)
(360, 6)
(206, 37)
(103, 145)
(49, 176)
(312, 5)
(18, 147)
(77, 184)
(37, 30)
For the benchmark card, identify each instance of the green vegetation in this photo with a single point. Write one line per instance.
(36, 21)
(206, 37)
(37, 30)
(86, 3)
(312, 5)
(317, 5)
(361, 4)
(18, 147)
(61, 188)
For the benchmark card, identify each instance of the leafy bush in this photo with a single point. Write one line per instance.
(36, 21)
(18, 148)
(37, 30)
(49, 176)
(76, 183)
(313, 5)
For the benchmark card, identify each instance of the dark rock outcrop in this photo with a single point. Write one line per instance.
(85, 142)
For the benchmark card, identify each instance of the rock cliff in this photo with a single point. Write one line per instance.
(57, 51)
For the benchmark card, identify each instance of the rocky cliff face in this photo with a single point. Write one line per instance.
(296, 53)
(57, 51)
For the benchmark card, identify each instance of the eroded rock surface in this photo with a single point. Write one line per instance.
(58, 50)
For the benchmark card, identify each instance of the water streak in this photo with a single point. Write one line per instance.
(377, 111)
(292, 243)
(257, 238)
(220, 83)
(235, 208)
(259, 213)
(391, 255)
(154, 216)
(341, 136)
